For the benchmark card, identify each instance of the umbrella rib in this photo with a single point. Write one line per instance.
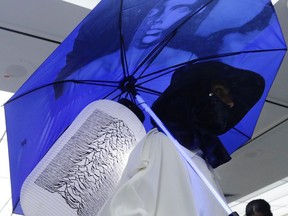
(132, 98)
(153, 54)
(242, 133)
(126, 95)
(209, 58)
(123, 57)
(237, 53)
(156, 77)
(97, 82)
(116, 89)
(166, 70)
(147, 90)
(203, 59)
(118, 96)
(122, 44)
(91, 82)
(277, 104)
(267, 131)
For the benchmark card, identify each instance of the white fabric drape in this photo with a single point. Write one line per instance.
(157, 181)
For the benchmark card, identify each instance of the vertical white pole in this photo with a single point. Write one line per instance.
(184, 154)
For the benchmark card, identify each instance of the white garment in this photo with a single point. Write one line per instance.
(157, 181)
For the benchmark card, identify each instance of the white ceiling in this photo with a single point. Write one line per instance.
(30, 30)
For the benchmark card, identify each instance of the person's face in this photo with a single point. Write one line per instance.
(215, 112)
(161, 18)
(223, 94)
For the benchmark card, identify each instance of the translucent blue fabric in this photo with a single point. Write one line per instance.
(127, 46)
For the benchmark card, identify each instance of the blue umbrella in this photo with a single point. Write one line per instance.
(131, 49)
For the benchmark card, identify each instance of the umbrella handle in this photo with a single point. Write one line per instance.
(186, 157)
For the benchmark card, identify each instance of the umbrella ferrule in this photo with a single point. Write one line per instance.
(127, 84)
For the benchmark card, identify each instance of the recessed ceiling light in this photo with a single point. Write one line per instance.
(274, 1)
(90, 4)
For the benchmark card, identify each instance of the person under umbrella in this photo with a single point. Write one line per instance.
(205, 100)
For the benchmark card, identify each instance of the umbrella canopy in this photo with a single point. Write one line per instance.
(123, 48)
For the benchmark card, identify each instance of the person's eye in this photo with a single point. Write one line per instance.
(153, 12)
